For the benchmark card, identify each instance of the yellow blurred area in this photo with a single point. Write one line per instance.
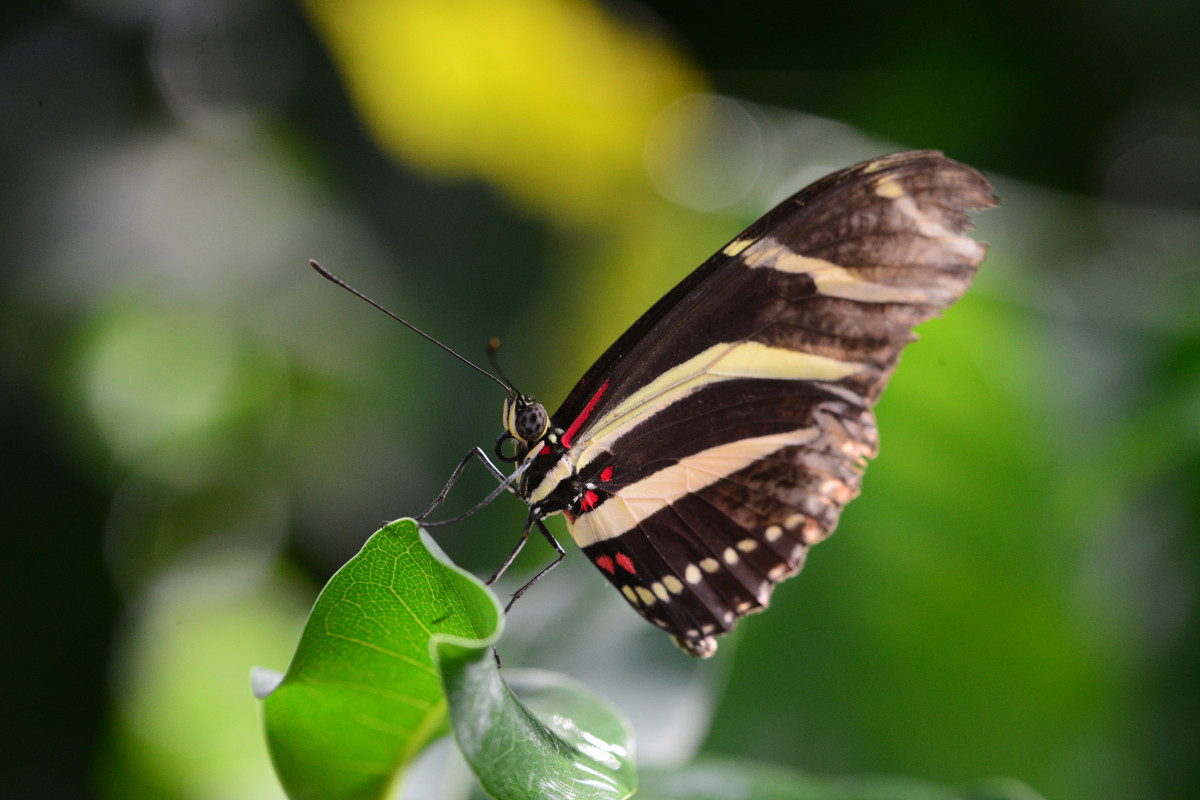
(549, 100)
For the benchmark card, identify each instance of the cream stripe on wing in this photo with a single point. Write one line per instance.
(834, 281)
(636, 502)
(721, 362)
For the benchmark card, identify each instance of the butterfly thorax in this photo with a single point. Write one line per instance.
(550, 482)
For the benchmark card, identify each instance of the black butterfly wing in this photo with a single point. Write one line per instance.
(702, 541)
(725, 430)
(900, 220)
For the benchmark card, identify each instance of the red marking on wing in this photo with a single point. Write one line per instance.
(606, 474)
(589, 501)
(545, 451)
(606, 563)
(582, 418)
(626, 563)
(570, 517)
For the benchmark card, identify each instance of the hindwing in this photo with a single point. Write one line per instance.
(722, 434)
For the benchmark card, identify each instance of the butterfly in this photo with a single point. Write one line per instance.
(720, 436)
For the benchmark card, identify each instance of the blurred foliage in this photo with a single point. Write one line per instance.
(197, 431)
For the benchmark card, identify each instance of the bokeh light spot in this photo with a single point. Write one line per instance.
(704, 151)
(155, 374)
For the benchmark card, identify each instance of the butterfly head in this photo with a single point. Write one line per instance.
(525, 420)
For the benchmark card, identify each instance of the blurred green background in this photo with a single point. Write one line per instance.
(197, 430)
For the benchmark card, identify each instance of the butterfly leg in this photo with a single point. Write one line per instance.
(511, 557)
(496, 576)
(524, 538)
(462, 465)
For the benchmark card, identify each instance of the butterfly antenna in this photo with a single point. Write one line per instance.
(329, 276)
(493, 346)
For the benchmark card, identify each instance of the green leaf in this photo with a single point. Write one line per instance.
(732, 779)
(397, 632)
(563, 742)
(362, 697)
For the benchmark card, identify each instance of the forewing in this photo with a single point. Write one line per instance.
(723, 433)
(840, 272)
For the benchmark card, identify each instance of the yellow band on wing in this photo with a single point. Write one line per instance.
(834, 281)
(636, 502)
(720, 362)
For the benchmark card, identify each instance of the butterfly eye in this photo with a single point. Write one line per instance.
(530, 421)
